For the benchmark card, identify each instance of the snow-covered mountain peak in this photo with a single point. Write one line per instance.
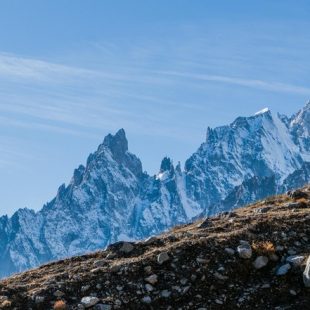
(302, 118)
(300, 129)
(111, 199)
(263, 111)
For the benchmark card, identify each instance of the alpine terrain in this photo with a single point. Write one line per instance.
(255, 257)
(112, 199)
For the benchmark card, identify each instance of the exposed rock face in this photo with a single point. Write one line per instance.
(111, 199)
(191, 267)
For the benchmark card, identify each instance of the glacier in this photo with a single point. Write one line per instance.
(112, 199)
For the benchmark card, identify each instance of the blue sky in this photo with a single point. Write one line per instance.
(73, 71)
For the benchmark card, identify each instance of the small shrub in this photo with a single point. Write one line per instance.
(263, 247)
(60, 305)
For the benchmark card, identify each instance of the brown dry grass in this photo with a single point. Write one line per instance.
(263, 247)
(302, 201)
(60, 305)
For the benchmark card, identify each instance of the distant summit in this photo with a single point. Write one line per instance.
(265, 110)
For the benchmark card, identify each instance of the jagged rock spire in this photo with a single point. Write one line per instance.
(166, 165)
(117, 144)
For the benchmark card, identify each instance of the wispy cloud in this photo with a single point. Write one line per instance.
(21, 67)
(253, 83)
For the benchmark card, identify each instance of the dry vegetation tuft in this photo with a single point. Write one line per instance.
(263, 247)
(60, 305)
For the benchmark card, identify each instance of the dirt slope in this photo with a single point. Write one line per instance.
(196, 266)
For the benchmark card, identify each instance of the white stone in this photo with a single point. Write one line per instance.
(162, 257)
(295, 260)
(245, 251)
(306, 274)
(89, 301)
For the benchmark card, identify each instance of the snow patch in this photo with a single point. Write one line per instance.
(265, 110)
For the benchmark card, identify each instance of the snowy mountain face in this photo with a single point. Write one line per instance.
(112, 199)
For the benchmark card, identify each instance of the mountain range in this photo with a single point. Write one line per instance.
(112, 199)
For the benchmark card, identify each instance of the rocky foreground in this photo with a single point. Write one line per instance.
(252, 258)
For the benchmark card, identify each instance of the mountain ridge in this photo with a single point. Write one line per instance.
(112, 198)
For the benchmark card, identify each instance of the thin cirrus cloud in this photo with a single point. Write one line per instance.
(253, 83)
(20, 67)
(60, 106)
(25, 68)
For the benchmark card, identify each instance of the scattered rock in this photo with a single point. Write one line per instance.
(283, 270)
(298, 194)
(165, 294)
(126, 247)
(59, 294)
(205, 224)
(89, 301)
(295, 260)
(152, 279)
(201, 260)
(260, 262)
(244, 250)
(148, 269)
(147, 299)
(111, 256)
(85, 288)
(151, 240)
(99, 262)
(162, 258)
(149, 287)
(263, 210)
(39, 299)
(220, 276)
(306, 274)
(230, 251)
